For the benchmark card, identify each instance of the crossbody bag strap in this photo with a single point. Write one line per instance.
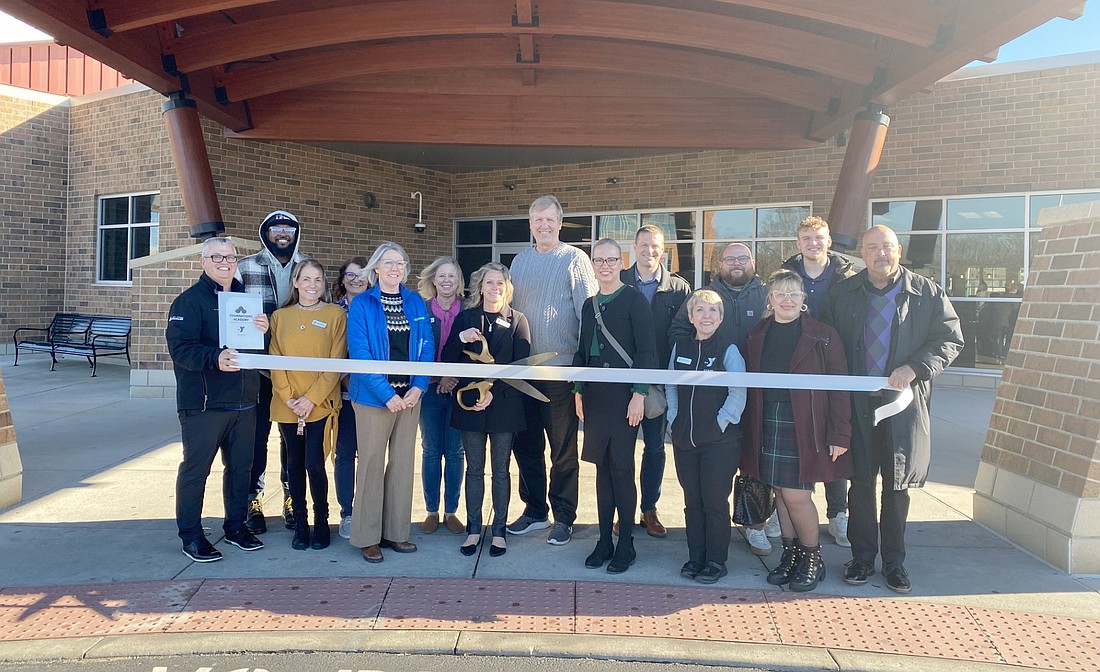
(607, 334)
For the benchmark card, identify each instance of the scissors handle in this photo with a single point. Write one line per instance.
(482, 388)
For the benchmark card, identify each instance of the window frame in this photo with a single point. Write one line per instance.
(129, 226)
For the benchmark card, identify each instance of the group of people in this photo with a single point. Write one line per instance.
(556, 305)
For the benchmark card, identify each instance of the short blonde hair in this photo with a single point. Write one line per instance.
(784, 280)
(426, 285)
(706, 296)
(812, 223)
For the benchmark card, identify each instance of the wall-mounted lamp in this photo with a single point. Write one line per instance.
(420, 226)
(370, 200)
(612, 180)
(510, 186)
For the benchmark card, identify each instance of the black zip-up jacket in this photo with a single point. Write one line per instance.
(697, 410)
(672, 291)
(742, 310)
(192, 336)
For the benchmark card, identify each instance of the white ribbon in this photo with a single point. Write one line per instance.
(789, 381)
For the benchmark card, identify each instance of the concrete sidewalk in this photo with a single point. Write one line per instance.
(91, 566)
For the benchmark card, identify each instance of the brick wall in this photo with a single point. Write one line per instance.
(1046, 421)
(33, 166)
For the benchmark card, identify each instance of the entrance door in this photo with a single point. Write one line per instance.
(506, 252)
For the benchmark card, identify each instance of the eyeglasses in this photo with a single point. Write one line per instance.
(351, 277)
(219, 258)
(281, 229)
(609, 261)
(742, 260)
(788, 296)
(391, 264)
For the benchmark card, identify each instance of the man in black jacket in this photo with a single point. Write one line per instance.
(898, 324)
(216, 403)
(821, 269)
(666, 292)
(744, 297)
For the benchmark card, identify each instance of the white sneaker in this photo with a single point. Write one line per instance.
(758, 541)
(838, 527)
(345, 527)
(771, 528)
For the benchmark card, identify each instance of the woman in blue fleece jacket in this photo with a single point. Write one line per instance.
(387, 322)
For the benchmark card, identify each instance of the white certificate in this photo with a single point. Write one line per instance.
(235, 327)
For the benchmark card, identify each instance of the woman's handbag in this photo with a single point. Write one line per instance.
(753, 501)
(655, 402)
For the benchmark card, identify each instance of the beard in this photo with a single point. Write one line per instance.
(738, 278)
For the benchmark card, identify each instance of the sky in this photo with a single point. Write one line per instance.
(1054, 38)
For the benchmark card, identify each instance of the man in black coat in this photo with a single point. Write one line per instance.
(216, 401)
(744, 297)
(666, 292)
(820, 270)
(898, 324)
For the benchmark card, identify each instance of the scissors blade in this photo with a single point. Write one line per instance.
(527, 388)
(534, 360)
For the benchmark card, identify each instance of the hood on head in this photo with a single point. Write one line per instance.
(283, 218)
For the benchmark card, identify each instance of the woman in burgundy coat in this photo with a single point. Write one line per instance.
(796, 438)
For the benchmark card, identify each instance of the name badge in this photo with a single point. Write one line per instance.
(683, 360)
(750, 313)
(319, 324)
(503, 322)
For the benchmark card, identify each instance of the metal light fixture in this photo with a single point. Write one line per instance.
(420, 226)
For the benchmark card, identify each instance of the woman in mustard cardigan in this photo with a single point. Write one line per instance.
(306, 404)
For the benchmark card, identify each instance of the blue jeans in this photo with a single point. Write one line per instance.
(442, 445)
(653, 461)
(347, 447)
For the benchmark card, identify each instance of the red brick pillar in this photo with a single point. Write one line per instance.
(11, 467)
(853, 186)
(1038, 482)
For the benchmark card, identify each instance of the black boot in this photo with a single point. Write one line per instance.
(288, 513)
(624, 555)
(788, 563)
(301, 531)
(321, 533)
(605, 548)
(811, 570)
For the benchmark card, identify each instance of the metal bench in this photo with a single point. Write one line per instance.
(88, 336)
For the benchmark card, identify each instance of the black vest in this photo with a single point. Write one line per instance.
(696, 422)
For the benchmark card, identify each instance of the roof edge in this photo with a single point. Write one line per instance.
(1030, 65)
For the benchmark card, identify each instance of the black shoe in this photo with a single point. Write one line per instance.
(202, 551)
(810, 572)
(255, 522)
(599, 555)
(244, 540)
(301, 539)
(288, 514)
(858, 572)
(624, 557)
(788, 563)
(712, 572)
(497, 551)
(322, 535)
(691, 569)
(897, 579)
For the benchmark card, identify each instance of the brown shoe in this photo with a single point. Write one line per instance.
(399, 546)
(373, 554)
(454, 524)
(652, 525)
(430, 524)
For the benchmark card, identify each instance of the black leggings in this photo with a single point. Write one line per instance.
(306, 456)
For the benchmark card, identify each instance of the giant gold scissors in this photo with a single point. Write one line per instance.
(482, 387)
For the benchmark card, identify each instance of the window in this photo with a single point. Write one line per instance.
(978, 247)
(128, 229)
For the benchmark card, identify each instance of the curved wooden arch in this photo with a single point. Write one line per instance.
(574, 54)
(592, 18)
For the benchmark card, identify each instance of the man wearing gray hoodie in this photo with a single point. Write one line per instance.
(267, 273)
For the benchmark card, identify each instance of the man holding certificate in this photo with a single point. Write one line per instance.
(216, 401)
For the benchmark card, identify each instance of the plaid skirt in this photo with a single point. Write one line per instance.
(779, 457)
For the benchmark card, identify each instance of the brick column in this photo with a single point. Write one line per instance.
(1038, 482)
(11, 467)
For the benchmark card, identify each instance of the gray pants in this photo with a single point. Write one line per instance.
(500, 452)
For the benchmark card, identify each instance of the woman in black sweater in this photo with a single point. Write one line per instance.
(609, 443)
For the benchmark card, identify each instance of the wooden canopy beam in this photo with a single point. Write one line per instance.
(120, 15)
(559, 121)
(590, 18)
(297, 71)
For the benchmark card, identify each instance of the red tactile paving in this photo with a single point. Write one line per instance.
(885, 626)
(283, 604)
(674, 612)
(479, 605)
(91, 610)
(1042, 641)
